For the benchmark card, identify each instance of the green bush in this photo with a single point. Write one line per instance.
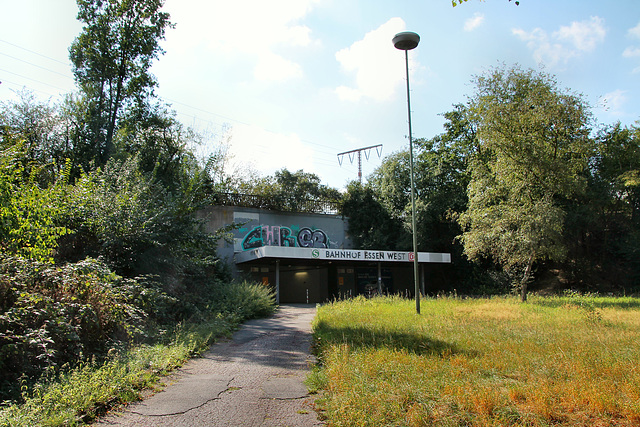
(28, 213)
(53, 316)
(245, 300)
(137, 227)
(115, 213)
(89, 390)
(80, 394)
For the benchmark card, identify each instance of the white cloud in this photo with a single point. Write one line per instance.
(633, 51)
(635, 31)
(473, 23)
(267, 151)
(567, 42)
(613, 102)
(253, 29)
(272, 67)
(264, 24)
(348, 94)
(378, 67)
(585, 35)
(544, 50)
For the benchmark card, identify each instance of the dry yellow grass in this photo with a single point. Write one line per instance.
(491, 362)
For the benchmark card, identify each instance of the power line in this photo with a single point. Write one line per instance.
(159, 97)
(321, 151)
(241, 122)
(34, 52)
(38, 66)
(29, 78)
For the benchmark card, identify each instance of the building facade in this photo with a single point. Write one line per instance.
(309, 258)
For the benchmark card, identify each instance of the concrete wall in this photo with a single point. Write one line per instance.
(269, 228)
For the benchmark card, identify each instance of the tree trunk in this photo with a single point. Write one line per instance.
(525, 278)
(108, 149)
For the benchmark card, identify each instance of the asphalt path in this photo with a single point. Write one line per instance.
(254, 379)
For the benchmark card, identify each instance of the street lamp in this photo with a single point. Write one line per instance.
(407, 41)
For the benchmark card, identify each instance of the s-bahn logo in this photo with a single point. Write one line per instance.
(315, 253)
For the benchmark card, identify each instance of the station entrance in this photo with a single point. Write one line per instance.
(308, 275)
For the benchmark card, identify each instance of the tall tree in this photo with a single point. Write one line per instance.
(603, 233)
(617, 165)
(441, 180)
(370, 224)
(111, 59)
(301, 191)
(160, 143)
(443, 177)
(533, 145)
(391, 184)
(40, 128)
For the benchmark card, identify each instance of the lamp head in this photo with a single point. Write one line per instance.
(406, 40)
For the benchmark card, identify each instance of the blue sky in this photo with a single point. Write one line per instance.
(292, 83)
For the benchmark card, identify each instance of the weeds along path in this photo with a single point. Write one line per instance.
(254, 379)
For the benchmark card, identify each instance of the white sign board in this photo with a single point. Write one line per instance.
(280, 252)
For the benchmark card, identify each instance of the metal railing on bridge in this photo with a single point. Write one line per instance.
(277, 203)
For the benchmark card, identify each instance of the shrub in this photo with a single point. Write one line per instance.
(244, 299)
(28, 213)
(84, 392)
(51, 316)
(137, 227)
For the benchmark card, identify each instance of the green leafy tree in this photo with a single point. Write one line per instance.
(603, 225)
(111, 59)
(443, 177)
(294, 189)
(160, 144)
(441, 180)
(296, 192)
(533, 146)
(391, 182)
(617, 166)
(28, 213)
(370, 224)
(40, 128)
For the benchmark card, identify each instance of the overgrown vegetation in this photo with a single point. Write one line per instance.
(567, 360)
(99, 265)
(107, 279)
(78, 395)
(522, 187)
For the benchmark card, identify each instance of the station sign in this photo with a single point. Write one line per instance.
(279, 252)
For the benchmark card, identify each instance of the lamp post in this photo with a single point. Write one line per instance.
(407, 41)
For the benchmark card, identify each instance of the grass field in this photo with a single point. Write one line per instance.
(572, 360)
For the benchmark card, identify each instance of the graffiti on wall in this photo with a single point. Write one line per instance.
(277, 235)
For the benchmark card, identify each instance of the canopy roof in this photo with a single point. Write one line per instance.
(283, 252)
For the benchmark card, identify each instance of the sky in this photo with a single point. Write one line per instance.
(293, 83)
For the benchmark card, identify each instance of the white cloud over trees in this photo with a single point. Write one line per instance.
(557, 48)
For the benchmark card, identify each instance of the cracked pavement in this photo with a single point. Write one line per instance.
(254, 379)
